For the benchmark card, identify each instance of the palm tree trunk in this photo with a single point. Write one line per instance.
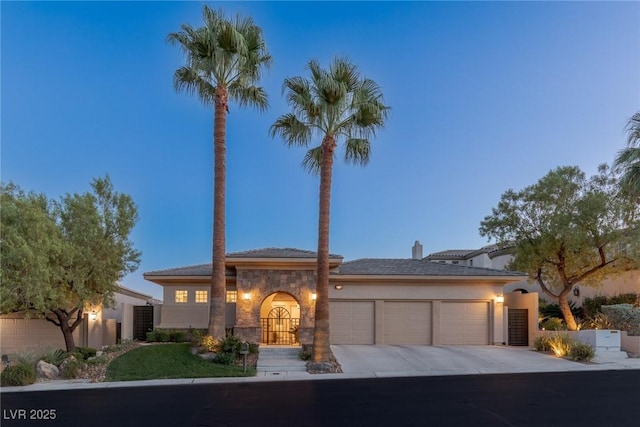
(218, 279)
(321, 348)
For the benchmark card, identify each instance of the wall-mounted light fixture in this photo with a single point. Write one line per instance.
(314, 296)
(246, 296)
(93, 315)
(576, 291)
(338, 287)
(499, 298)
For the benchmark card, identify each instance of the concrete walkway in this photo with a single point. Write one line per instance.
(279, 361)
(369, 361)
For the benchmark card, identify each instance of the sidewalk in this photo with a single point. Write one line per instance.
(384, 362)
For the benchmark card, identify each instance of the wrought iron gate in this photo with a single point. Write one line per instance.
(142, 321)
(279, 328)
(518, 327)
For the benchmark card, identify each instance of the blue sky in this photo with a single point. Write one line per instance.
(485, 97)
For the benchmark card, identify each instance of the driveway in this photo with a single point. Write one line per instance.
(392, 360)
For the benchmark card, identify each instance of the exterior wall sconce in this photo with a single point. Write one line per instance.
(246, 296)
(338, 287)
(314, 296)
(576, 291)
(93, 315)
(499, 298)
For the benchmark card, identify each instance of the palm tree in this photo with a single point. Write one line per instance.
(628, 160)
(224, 61)
(334, 104)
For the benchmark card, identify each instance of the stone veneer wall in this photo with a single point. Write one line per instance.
(300, 284)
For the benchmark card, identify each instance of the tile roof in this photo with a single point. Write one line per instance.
(277, 253)
(189, 270)
(206, 269)
(415, 267)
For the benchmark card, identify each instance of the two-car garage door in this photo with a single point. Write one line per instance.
(410, 322)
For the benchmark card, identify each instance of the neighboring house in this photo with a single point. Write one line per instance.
(271, 300)
(101, 326)
(491, 256)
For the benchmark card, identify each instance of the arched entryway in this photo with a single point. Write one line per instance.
(280, 320)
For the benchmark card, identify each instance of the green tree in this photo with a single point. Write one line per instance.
(224, 61)
(59, 257)
(628, 160)
(568, 229)
(334, 104)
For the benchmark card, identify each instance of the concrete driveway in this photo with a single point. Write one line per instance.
(393, 361)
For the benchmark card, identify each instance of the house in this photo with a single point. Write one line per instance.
(270, 296)
(492, 256)
(131, 316)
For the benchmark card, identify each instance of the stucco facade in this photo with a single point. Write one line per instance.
(27, 331)
(271, 299)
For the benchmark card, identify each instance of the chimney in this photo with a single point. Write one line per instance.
(416, 251)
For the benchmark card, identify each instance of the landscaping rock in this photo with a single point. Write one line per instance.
(47, 370)
(330, 367)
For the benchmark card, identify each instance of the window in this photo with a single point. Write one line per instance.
(454, 262)
(471, 262)
(181, 296)
(202, 296)
(232, 296)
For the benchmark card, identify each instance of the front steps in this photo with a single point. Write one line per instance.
(280, 359)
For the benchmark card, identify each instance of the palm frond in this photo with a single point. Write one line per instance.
(633, 130)
(294, 131)
(312, 160)
(357, 151)
(223, 52)
(186, 79)
(252, 96)
(337, 102)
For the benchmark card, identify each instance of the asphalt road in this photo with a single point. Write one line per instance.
(598, 398)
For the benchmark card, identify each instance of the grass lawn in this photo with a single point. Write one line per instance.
(168, 361)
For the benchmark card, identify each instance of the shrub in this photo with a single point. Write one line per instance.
(99, 360)
(86, 352)
(560, 344)
(224, 359)
(304, 354)
(177, 336)
(71, 368)
(592, 306)
(541, 343)
(208, 343)
(553, 324)
(196, 335)
(18, 375)
(580, 351)
(123, 344)
(624, 317)
(54, 356)
(599, 321)
(27, 357)
(151, 336)
(254, 348)
(162, 335)
(231, 345)
(553, 310)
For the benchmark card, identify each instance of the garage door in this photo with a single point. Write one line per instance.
(351, 322)
(465, 323)
(407, 322)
